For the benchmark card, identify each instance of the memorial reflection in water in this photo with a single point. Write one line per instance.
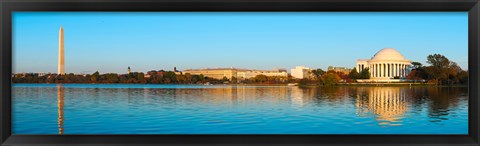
(388, 104)
(60, 104)
(142, 109)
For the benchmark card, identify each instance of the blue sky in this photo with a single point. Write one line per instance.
(112, 41)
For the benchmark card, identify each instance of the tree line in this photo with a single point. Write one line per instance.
(153, 77)
(165, 77)
(441, 71)
(332, 77)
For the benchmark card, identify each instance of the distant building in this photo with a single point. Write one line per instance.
(158, 73)
(128, 70)
(343, 70)
(300, 72)
(216, 73)
(154, 72)
(81, 74)
(41, 74)
(240, 74)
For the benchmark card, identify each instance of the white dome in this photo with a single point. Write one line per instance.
(388, 54)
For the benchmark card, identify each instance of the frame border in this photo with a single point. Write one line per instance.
(9, 6)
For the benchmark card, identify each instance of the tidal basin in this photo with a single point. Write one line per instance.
(230, 109)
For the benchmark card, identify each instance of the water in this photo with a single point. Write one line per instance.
(223, 109)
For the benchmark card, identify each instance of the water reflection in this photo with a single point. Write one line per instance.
(241, 109)
(228, 95)
(298, 95)
(60, 104)
(388, 104)
(440, 100)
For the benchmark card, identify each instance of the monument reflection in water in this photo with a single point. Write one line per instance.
(191, 109)
(61, 98)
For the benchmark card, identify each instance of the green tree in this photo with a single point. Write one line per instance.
(261, 78)
(182, 79)
(417, 65)
(140, 78)
(111, 78)
(225, 79)
(234, 79)
(353, 74)
(189, 77)
(94, 77)
(364, 74)
(195, 79)
(169, 77)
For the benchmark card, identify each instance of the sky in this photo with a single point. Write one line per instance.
(112, 41)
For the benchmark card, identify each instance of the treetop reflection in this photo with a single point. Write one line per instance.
(311, 109)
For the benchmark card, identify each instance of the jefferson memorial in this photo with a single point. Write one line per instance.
(386, 65)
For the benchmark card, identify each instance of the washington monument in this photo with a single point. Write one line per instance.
(61, 51)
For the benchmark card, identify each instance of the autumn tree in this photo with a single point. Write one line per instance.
(439, 66)
(330, 78)
(317, 73)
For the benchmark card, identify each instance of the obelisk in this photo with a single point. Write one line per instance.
(61, 51)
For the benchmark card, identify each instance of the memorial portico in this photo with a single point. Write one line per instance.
(386, 64)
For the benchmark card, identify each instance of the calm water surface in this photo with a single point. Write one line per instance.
(222, 109)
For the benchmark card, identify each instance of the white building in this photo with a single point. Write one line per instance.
(300, 72)
(385, 65)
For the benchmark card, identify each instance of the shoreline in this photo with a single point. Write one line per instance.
(286, 84)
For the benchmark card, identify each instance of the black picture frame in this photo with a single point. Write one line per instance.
(9, 6)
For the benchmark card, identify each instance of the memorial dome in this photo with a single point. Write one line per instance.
(388, 54)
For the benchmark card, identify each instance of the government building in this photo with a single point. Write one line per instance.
(343, 70)
(301, 72)
(387, 65)
(240, 74)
